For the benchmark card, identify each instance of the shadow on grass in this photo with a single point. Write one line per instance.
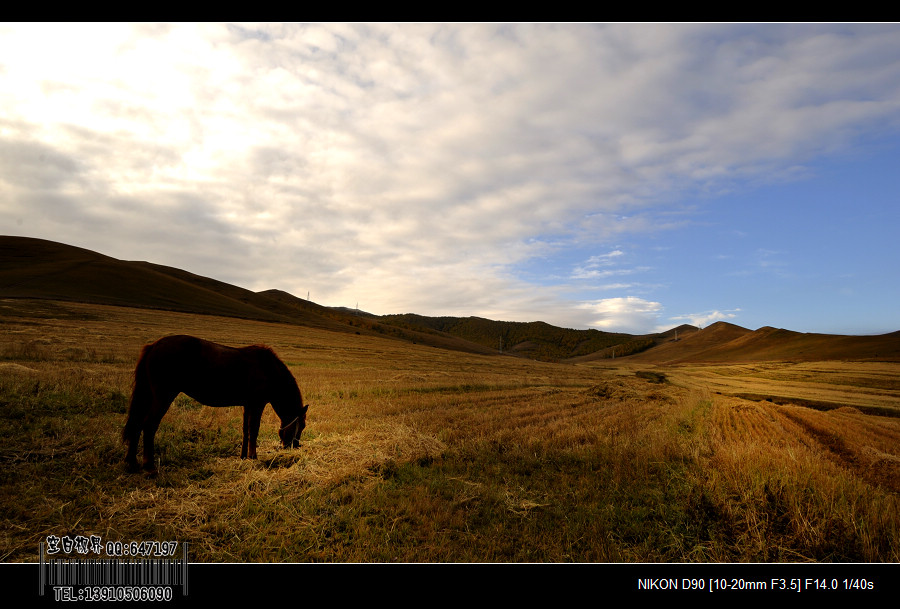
(282, 460)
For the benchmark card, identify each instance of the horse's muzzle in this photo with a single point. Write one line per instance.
(290, 434)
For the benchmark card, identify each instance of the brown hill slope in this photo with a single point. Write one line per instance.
(40, 269)
(636, 344)
(723, 342)
(373, 324)
(35, 268)
(534, 340)
(691, 343)
(769, 343)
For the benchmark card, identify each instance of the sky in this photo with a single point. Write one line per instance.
(623, 177)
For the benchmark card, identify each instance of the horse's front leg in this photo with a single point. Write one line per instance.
(252, 418)
(246, 433)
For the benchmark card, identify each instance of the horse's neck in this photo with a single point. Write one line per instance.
(286, 407)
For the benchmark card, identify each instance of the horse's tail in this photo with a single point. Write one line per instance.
(140, 398)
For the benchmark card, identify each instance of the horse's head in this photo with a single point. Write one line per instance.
(290, 433)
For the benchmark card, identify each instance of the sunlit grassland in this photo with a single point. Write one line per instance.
(413, 453)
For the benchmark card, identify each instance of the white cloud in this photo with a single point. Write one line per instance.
(629, 314)
(595, 273)
(410, 166)
(706, 318)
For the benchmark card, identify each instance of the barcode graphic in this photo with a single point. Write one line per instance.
(114, 571)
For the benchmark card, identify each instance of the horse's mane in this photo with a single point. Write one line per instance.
(265, 351)
(258, 348)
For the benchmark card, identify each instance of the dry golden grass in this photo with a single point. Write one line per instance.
(413, 453)
(833, 383)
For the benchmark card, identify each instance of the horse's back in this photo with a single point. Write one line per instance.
(187, 349)
(179, 343)
(213, 374)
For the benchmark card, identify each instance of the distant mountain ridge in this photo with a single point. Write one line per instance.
(36, 268)
(537, 340)
(723, 342)
(41, 269)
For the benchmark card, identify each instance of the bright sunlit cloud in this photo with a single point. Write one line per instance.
(705, 318)
(630, 314)
(421, 167)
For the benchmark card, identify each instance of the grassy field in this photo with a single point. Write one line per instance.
(413, 453)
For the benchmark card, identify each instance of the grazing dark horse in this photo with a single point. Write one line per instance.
(214, 375)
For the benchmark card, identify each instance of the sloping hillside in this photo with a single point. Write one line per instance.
(691, 346)
(769, 343)
(373, 324)
(724, 342)
(34, 268)
(534, 340)
(637, 344)
(40, 269)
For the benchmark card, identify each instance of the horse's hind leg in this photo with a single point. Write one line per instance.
(252, 417)
(131, 455)
(157, 410)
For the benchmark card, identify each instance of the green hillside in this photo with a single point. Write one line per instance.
(535, 340)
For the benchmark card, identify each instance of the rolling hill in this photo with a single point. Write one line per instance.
(724, 342)
(39, 269)
(35, 268)
(535, 340)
